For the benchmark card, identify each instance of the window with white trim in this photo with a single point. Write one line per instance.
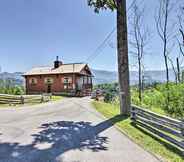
(67, 82)
(33, 81)
(49, 80)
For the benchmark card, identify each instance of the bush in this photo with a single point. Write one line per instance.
(154, 97)
(110, 91)
(7, 87)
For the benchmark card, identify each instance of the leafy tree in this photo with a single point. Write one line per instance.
(123, 62)
(8, 87)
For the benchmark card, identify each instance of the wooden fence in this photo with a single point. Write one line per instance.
(171, 130)
(24, 99)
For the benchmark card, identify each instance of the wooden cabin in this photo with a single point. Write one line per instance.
(73, 79)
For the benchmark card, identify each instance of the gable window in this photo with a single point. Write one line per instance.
(32, 81)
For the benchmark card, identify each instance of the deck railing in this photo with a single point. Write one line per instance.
(170, 129)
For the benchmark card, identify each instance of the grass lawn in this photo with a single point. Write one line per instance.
(148, 141)
(56, 98)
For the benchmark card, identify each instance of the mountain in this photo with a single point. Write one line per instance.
(101, 76)
(16, 78)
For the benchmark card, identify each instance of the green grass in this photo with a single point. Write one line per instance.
(148, 141)
(56, 98)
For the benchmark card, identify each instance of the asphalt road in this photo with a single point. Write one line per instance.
(65, 131)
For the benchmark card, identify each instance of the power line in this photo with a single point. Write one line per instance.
(100, 48)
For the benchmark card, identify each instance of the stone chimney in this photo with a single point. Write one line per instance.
(57, 63)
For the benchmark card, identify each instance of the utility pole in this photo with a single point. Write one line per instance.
(122, 41)
(123, 62)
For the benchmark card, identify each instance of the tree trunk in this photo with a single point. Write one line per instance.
(178, 70)
(123, 63)
(140, 80)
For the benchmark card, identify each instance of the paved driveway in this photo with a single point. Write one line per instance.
(65, 131)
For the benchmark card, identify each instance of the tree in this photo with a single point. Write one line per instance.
(180, 41)
(181, 24)
(139, 35)
(165, 31)
(176, 71)
(122, 45)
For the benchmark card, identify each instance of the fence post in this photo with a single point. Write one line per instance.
(42, 98)
(182, 127)
(50, 96)
(22, 99)
(133, 114)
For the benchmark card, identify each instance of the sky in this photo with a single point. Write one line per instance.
(34, 32)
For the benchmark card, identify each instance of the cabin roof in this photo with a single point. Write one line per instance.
(62, 69)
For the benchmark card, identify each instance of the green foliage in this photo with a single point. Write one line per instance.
(7, 87)
(154, 97)
(110, 91)
(102, 4)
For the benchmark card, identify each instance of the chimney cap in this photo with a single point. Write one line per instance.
(57, 58)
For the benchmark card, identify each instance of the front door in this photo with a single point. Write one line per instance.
(49, 88)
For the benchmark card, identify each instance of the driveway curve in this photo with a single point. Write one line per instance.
(66, 131)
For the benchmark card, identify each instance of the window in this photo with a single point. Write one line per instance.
(33, 81)
(67, 82)
(49, 80)
(65, 87)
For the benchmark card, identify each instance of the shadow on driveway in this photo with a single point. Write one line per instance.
(57, 138)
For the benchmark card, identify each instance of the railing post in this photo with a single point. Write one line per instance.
(133, 114)
(182, 127)
(42, 98)
(182, 132)
(22, 99)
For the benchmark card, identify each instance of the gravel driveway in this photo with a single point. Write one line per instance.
(65, 131)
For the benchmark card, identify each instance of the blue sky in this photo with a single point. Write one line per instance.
(34, 32)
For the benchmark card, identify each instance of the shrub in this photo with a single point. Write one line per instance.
(154, 97)
(7, 87)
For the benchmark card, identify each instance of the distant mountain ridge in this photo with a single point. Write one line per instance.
(16, 77)
(102, 76)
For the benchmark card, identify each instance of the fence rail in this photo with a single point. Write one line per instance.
(171, 130)
(24, 99)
